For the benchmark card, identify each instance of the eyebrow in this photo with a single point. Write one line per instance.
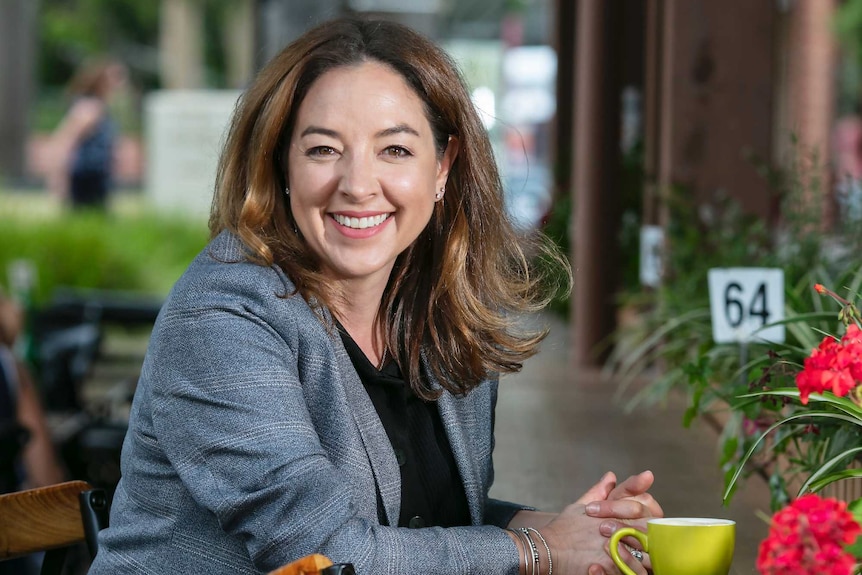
(399, 129)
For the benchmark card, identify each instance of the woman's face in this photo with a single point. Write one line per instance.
(363, 170)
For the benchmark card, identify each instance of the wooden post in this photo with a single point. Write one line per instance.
(595, 177)
(563, 125)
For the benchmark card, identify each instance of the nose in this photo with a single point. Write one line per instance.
(356, 178)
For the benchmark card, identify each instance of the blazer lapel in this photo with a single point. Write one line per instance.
(377, 446)
(458, 422)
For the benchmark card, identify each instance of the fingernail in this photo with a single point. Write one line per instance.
(607, 529)
(592, 508)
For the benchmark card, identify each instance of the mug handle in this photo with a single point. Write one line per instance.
(615, 546)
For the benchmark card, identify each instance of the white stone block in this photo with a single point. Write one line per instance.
(185, 131)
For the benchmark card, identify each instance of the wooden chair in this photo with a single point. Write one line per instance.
(314, 564)
(51, 519)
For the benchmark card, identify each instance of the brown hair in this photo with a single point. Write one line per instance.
(93, 77)
(456, 291)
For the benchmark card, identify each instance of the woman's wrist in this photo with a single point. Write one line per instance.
(528, 518)
(534, 551)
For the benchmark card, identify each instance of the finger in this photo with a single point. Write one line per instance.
(622, 509)
(633, 486)
(601, 490)
(634, 544)
(633, 563)
(596, 570)
(651, 506)
(629, 559)
(647, 562)
(609, 527)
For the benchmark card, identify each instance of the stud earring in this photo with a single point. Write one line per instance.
(286, 191)
(439, 195)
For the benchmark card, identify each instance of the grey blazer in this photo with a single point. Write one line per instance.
(252, 443)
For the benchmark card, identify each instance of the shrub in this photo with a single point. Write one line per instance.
(133, 250)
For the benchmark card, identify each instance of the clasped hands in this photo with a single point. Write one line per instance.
(579, 535)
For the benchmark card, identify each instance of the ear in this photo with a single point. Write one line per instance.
(445, 163)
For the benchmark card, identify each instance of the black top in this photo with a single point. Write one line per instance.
(432, 493)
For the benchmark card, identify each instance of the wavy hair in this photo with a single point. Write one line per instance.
(454, 295)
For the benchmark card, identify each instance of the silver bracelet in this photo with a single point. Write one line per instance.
(547, 548)
(529, 568)
(533, 548)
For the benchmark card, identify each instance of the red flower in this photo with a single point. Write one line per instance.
(834, 366)
(808, 538)
(819, 288)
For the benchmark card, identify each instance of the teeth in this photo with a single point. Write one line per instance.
(360, 223)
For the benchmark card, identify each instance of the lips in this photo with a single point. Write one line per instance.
(360, 223)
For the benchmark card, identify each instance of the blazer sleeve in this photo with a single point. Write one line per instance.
(229, 413)
(497, 512)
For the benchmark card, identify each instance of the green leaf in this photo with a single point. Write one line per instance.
(828, 398)
(730, 488)
(833, 477)
(776, 425)
(729, 449)
(824, 469)
(778, 491)
(855, 548)
(693, 409)
(855, 507)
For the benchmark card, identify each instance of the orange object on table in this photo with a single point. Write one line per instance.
(308, 565)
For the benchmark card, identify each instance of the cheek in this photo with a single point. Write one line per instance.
(415, 186)
(310, 188)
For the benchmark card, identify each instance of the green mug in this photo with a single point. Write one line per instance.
(682, 545)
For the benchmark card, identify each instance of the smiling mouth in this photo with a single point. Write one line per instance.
(360, 223)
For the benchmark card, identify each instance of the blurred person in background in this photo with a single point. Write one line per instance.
(21, 408)
(27, 455)
(83, 145)
(323, 377)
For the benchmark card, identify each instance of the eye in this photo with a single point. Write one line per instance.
(397, 152)
(320, 151)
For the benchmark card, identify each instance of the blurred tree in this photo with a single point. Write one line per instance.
(72, 30)
(211, 45)
(17, 50)
(181, 44)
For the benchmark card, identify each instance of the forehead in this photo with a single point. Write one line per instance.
(367, 94)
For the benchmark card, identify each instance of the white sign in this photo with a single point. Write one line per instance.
(652, 243)
(743, 301)
(185, 131)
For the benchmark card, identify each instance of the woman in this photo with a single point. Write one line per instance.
(83, 144)
(323, 377)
